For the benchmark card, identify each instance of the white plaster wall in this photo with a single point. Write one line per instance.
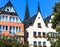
(39, 21)
(33, 28)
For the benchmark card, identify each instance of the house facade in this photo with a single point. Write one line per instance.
(10, 25)
(37, 30)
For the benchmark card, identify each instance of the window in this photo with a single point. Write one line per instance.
(44, 43)
(39, 25)
(7, 9)
(17, 29)
(35, 43)
(16, 19)
(39, 42)
(39, 34)
(38, 17)
(5, 18)
(6, 27)
(11, 19)
(12, 30)
(44, 34)
(34, 34)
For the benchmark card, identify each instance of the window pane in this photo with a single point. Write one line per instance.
(17, 29)
(6, 27)
(39, 33)
(39, 25)
(34, 33)
(43, 33)
(11, 30)
(39, 42)
(44, 43)
(5, 18)
(11, 19)
(16, 19)
(35, 43)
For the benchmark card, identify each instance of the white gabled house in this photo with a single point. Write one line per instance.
(37, 31)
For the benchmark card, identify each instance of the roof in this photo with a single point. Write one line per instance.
(30, 21)
(5, 12)
(46, 20)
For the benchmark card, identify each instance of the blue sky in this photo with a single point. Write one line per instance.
(46, 7)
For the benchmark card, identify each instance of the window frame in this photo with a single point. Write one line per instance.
(39, 25)
(35, 34)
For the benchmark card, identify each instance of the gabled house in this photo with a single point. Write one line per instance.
(10, 23)
(36, 31)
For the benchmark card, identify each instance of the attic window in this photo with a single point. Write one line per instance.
(38, 17)
(7, 9)
(39, 25)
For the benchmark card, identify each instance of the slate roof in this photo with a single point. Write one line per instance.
(27, 14)
(30, 21)
(46, 20)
